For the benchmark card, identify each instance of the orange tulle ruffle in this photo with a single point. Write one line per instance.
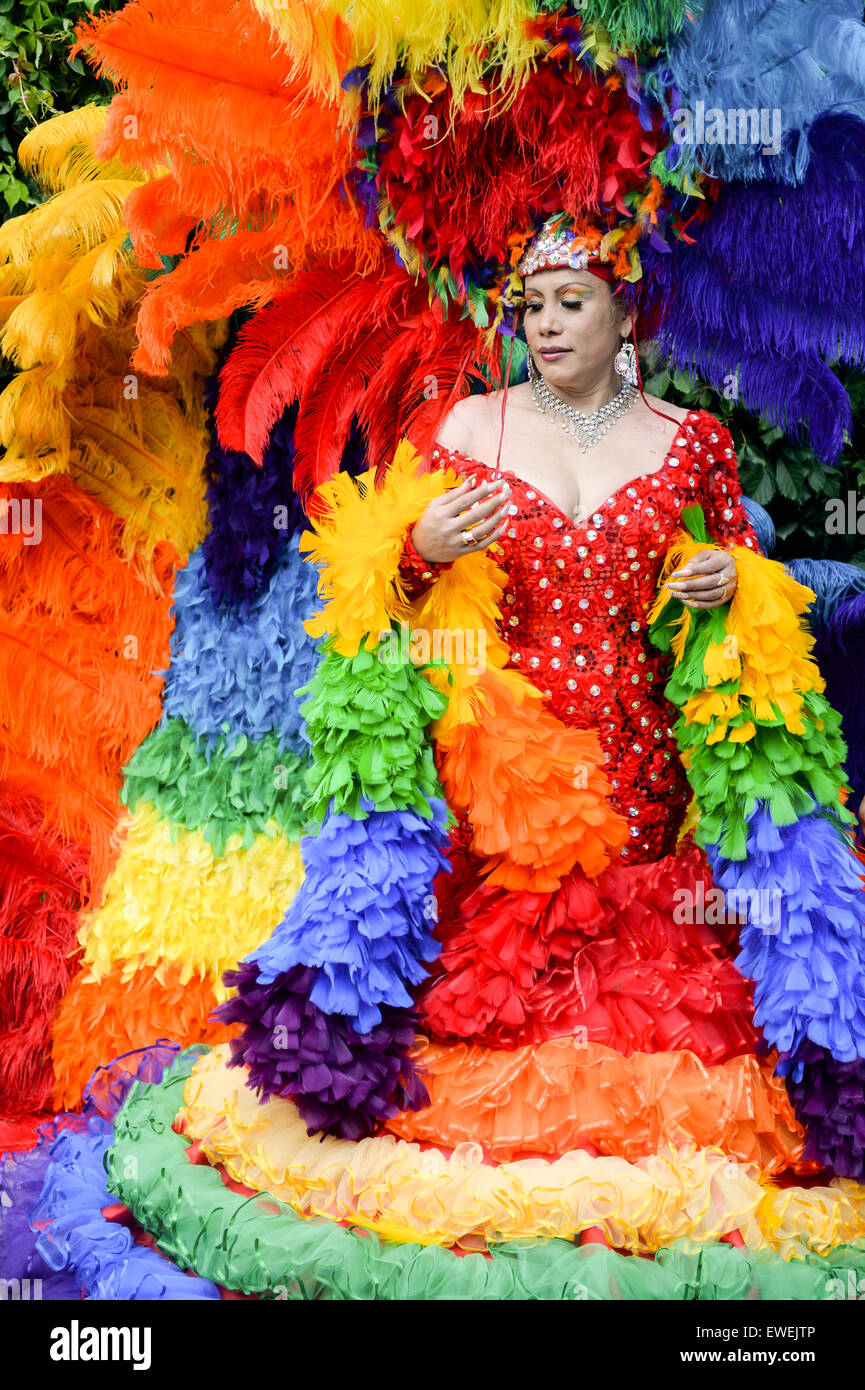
(567, 1094)
(534, 791)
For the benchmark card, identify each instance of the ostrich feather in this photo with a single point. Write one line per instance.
(77, 574)
(41, 886)
(78, 218)
(81, 808)
(327, 407)
(462, 38)
(209, 80)
(801, 58)
(244, 270)
(317, 40)
(284, 347)
(59, 152)
(637, 24)
(419, 378)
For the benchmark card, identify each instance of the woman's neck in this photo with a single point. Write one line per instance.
(589, 396)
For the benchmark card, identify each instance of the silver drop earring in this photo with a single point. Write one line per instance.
(530, 365)
(625, 363)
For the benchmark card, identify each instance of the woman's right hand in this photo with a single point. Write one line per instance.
(481, 510)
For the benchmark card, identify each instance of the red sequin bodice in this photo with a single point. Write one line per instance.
(574, 612)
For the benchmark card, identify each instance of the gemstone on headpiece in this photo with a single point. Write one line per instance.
(549, 249)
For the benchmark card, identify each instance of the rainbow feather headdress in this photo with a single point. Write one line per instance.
(360, 180)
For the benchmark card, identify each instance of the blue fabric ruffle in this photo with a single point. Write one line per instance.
(364, 913)
(806, 950)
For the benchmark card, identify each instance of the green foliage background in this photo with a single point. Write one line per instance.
(41, 81)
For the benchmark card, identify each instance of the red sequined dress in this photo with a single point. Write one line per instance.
(622, 965)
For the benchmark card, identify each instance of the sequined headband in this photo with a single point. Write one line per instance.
(555, 246)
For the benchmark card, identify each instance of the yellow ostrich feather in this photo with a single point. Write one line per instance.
(59, 152)
(137, 445)
(317, 39)
(463, 37)
(71, 291)
(76, 219)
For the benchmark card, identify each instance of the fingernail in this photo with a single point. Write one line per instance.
(471, 481)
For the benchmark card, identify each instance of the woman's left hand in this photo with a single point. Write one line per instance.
(707, 581)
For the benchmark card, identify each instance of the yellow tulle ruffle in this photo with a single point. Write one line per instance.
(403, 1191)
(170, 898)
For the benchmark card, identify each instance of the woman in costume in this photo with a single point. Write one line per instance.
(578, 631)
(568, 1053)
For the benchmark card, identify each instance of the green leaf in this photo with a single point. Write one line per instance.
(765, 489)
(695, 521)
(783, 480)
(15, 192)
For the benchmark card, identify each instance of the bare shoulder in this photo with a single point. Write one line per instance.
(677, 411)
(464, 425)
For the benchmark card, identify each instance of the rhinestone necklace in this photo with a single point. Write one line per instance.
(587, 429)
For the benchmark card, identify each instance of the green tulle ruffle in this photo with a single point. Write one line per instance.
(258, 1245)
(367, 722)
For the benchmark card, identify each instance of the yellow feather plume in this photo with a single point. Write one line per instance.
(358, 542)
(463, 37)
(59, 152)
(71, 294)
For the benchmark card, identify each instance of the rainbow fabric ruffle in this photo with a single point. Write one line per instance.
(330, 1149)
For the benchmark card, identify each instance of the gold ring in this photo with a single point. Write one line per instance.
(466, 537)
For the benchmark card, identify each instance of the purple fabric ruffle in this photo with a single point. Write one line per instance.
(342, 1082)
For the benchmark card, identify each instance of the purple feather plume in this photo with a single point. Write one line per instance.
(342, 1082)
(829, 1100)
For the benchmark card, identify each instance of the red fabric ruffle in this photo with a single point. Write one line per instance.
(606, 956)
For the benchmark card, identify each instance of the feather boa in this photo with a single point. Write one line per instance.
(764, 758)
(337, 975)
